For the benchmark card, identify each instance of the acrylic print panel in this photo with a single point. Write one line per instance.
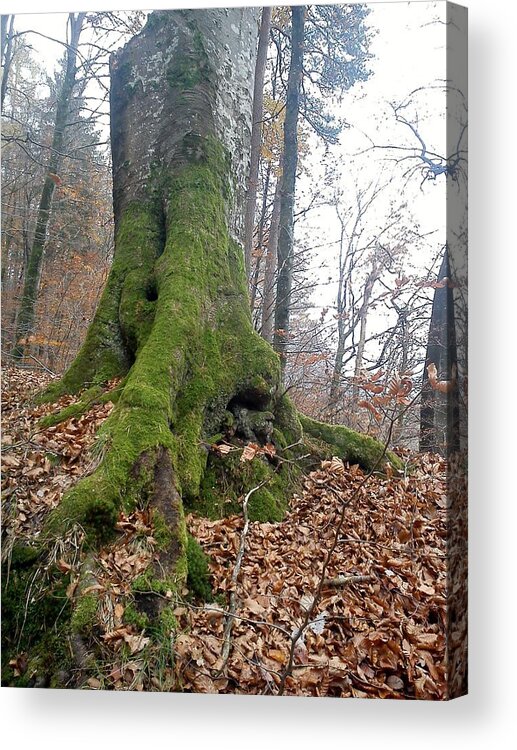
(235, 316)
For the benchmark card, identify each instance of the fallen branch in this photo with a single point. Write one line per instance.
(347, 580)
(230, 617)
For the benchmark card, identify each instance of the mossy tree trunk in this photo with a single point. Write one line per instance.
(174, 319)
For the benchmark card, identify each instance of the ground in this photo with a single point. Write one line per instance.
(378, 629)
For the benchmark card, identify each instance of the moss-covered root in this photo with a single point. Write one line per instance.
(335, 440)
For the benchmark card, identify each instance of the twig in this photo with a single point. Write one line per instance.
(346, 580)
(230, 618)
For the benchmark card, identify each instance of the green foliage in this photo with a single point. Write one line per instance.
(35, 620)
(84, 614)
(198, 580)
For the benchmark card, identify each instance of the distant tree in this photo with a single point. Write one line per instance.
(439, 410)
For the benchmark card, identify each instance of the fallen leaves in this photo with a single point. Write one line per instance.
(379, 629)
(38, 466)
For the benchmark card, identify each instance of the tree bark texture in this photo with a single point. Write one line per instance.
(290, 162)
(256, 133)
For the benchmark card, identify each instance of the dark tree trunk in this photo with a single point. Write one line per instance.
(439, 411)
(25, 319)
(268, 303)
(290, 162)
(256, 131)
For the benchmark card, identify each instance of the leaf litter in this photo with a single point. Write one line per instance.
(379, 629)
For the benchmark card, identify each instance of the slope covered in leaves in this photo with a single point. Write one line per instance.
(377, 629)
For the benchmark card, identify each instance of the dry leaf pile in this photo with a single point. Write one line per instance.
(377, 630)
(38, 466)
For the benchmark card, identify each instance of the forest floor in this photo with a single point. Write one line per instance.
(377, 630)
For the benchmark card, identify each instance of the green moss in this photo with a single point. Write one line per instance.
(147, 582)
(23, 556)
(133, 616)
(88, 398)
(227, 480)
(351, 446)
(198, 580)
(85, 614)
(161, 531)
(34, 621)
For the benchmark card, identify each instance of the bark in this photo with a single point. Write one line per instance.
(260, 241)
(290, 162)
(25, 320)
(268, 304)
(7, 52)
(256, 132)
(439, 412)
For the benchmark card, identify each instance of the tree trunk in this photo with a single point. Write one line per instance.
(25, 320)
(290, 162)
(439, 411)
(7, 50)
(256, 132)
(174, 318)
(268, 303)
(260, 241)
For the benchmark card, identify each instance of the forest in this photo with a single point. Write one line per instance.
(234, 344)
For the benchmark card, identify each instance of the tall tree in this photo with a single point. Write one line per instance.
(25, 318)
(256, 131)
(439, 409)
(290, 161)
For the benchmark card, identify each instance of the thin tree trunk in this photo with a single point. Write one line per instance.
(363, 317)
(7, 51)
(341, 330)
(256, 132)
(268, 304)
(26, 313)
(290, 152)
(260, 241)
